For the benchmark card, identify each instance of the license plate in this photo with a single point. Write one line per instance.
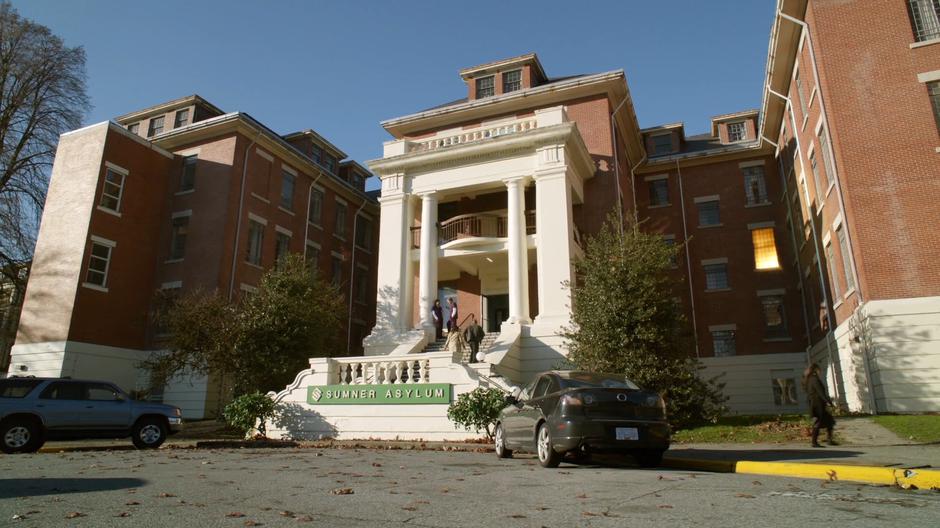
(627, 433)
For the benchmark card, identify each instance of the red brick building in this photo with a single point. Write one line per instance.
(182, 196)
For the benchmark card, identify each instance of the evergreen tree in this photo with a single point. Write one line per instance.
(626, 319)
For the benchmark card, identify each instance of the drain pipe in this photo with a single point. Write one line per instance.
(238, 218)
(636, 213)
(352, 276)
(613, 142)
(796, 255)
(688, 259)
(812, 223)
(835, 176)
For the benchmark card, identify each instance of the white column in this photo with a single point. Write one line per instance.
(427, 272)
(554, 234)
(393, 303)
(518, 253)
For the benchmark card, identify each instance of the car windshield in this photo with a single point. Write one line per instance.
(17, 388)
(580, 380)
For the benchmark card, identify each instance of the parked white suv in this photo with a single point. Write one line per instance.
(33, 410)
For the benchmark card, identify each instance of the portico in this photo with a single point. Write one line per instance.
(493, 205)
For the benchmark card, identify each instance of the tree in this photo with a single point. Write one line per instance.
(626, 319)
(42, 95)
(259, 343)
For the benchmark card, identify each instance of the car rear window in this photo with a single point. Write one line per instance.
(588, 380)
(17, 388)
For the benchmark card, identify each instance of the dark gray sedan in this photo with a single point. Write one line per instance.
(581, 413)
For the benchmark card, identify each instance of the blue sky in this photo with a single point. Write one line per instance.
(341, 67)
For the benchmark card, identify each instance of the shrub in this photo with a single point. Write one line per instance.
(477, 409)
(249, 409)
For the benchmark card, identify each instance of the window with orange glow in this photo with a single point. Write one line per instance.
(765, 249)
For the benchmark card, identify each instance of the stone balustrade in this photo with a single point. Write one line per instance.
(472, 135)
(381, 370)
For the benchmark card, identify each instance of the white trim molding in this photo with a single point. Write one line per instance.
(256, 218)
(768, 293)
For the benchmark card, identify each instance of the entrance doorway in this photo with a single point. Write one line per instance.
(497, 311)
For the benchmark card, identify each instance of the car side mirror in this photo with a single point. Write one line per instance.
(511, 400)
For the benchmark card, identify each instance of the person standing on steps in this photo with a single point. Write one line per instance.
(819, 403)
(452, 308)
(437, 317)
(474, 335)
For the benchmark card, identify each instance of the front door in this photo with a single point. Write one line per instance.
(497, 311)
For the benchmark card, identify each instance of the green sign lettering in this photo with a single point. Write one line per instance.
(399, 394)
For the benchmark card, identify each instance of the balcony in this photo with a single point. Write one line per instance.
(482, 225)
(442, 141)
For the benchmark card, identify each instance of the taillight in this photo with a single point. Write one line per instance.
(571, 404)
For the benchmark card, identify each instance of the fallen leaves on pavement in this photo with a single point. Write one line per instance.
(341, 491)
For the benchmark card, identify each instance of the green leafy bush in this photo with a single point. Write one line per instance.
(478, 409)
(248, 410)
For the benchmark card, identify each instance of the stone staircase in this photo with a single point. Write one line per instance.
(488, 340)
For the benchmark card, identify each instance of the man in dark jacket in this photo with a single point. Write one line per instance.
(819, 402)
(474, 335)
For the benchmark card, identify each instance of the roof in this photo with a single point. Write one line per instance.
(464, 100)
(317, 138)
(164, 107)
(528, 57)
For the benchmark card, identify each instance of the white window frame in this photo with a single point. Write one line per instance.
(124, 173)
(743, 124)
(110, 244)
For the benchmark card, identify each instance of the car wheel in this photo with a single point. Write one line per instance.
(649, 458)
(500, 439)
(21, 436)
(148, 433)
(548, 457)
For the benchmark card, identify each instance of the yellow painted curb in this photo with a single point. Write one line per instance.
(904, 478)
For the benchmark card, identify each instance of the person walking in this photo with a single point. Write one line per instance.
(455, 343)
(437, 317)
(819, 402)
(453, 321)
(474, 335)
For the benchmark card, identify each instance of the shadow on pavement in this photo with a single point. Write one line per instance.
(31, 487)
(763, 455)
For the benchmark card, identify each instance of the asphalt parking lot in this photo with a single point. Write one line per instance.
(373, 488)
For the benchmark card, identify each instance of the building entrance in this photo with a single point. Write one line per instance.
(497, 311)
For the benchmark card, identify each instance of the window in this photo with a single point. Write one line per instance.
(330, 163)
(784, 387)
(817, 181)
(64, 390)
(925, 19)
(708, 213)
(716, 276)
(312, 256)
(662, 144)
(17, 387)
(362, 285)
(287, 190)
(316, 154)
(134, 128)
(255, 242)
(101, 392)
(156, 126)
(755, 186)
(281, 246)
(364, 234)
(765, 249)
(833, 271)
(933, 89)
(723, 343)
(659, 192)
(542, 388)
(828, 171)
(339, 220)
(98, 262)
(775, 320)
(178, 233)
(112, 190)
(799, 92)
(485, 87)
(181, 118)
(512, 81)
(670, 240)
(188, 178)
(737, 132)
(315, 212)
(846, 256)
(336, 271)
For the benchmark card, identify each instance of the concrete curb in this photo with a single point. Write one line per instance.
(912, 478)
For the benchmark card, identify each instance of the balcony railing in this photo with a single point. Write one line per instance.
(471, 136)
(483, 225)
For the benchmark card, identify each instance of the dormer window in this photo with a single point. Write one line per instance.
(737, 132)
(512, 81)
(662, 144)
(485, 87)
